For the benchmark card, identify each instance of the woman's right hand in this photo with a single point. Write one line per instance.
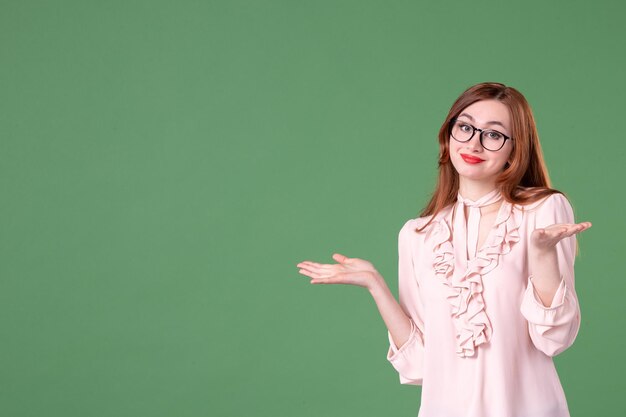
(355, 271)
(352, 271)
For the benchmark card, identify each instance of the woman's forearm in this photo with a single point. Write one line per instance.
(396, 320)
(544, 269)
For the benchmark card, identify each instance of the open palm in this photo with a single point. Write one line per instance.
(352, 271)
(546, 238)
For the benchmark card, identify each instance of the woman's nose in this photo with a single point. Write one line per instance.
(474, 143)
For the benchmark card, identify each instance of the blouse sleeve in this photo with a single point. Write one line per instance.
(553, 329)
(408, 358)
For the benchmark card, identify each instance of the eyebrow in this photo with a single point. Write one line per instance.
(489, 123)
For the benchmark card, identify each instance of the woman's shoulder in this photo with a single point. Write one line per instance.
(425, 223)
(543, 198)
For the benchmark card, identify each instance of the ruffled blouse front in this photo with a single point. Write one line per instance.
(482, 342)
(464, 285)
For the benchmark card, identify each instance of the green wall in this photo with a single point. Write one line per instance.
(164, 165)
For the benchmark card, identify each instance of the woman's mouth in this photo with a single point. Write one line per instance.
(471, 159)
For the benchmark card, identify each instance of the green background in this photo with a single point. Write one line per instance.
(165, 165)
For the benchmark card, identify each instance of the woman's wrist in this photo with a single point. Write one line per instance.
(541, 252)
(377, 285)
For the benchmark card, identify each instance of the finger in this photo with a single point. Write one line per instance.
(340, 258)
(555, 230)
(310, 263)
(568, 230)
(315, 274)
(314, 266)
(321, 281)
(579, 228)
(320, 268)
(329, 280)
(555, 227)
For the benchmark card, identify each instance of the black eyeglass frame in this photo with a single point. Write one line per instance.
(480, 138)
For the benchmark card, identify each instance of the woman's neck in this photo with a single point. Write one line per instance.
(474, 190)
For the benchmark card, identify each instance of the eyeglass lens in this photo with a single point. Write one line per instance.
(490, 139)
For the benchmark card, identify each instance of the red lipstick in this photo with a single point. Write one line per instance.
(471, 159)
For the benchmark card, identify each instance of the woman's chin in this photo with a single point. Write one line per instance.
(475, 176)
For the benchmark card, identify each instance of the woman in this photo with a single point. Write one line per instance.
(486, 273)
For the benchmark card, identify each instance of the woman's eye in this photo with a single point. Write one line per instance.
(465, 128)
(495, 135)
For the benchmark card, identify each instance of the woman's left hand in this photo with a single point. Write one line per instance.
(546, 238)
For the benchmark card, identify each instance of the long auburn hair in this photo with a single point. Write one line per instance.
(524, 178)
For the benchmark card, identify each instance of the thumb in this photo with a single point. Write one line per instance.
(340, 258)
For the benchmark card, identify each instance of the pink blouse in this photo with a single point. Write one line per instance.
(481, 342)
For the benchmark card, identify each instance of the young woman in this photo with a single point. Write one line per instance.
(486, 273)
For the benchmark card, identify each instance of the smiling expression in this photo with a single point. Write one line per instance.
(470, 160)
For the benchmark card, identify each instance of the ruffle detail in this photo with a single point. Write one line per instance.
(464, 290)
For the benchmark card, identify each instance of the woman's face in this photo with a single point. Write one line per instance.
(470, 159)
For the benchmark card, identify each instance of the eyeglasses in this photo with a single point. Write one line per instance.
(491, 140)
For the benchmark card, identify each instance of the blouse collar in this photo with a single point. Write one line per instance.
(487, 199)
